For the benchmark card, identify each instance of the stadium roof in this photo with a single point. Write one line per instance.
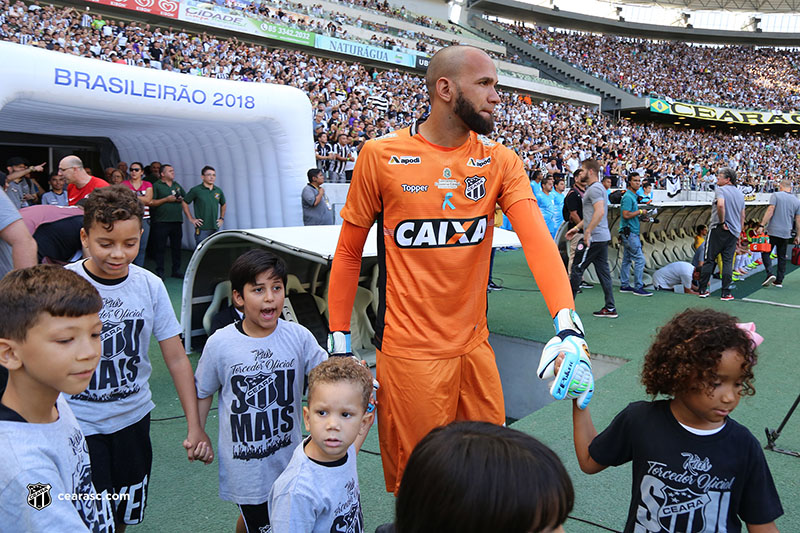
(516, 10)
(750, 6)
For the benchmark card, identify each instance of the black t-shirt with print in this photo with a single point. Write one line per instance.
(687, 482)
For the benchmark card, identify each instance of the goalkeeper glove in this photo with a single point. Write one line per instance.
(574, 379)
(339, 343)
(339, 346)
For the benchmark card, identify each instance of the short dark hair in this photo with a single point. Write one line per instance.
(313, 173)
(591, 164)
(472, 477)
(28, 292)
(686, 351)
(699, 229)
(338, 369)
(206, 168)
(108, 205)
(252, 263)
(137, 163)
(165, 165)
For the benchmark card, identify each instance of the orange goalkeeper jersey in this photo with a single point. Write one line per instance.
(435, 206)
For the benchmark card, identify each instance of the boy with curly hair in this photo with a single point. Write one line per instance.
(694, 468)
(319, 490)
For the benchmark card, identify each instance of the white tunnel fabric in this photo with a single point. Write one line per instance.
(257, 136)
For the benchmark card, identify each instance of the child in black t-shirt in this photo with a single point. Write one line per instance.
(694, 468)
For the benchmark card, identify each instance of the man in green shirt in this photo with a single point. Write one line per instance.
(209, 205)
(166, 220)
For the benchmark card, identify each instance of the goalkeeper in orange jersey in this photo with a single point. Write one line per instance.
(432, 188)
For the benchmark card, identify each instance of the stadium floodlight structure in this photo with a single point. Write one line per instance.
(258, 136)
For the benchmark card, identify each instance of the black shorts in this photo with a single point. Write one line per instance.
(256, 517)
(121, 464)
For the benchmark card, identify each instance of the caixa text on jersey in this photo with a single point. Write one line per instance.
(440, 233)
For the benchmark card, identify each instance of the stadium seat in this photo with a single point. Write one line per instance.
(222, 292)
(590, 275)
(293, 284)
(669, 248)
(649, 263)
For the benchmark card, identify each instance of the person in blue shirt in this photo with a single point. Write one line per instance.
(546, 200)
(629, 238)
(558, 199)
(645, 194)
(536, 182)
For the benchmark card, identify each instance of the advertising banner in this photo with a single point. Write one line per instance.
(365, 51)
(283, 33)
(721, 114)
(423, 62)
(215, 16)
(209, 14)
(164, 8)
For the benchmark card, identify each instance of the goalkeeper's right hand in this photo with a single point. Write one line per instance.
(339, 346)
(339, 343)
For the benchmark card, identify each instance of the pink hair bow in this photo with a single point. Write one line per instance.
(750, 329)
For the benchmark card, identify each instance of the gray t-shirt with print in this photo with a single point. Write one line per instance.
(317, 498)
(41, 464)
(260, 382)
(119, 392)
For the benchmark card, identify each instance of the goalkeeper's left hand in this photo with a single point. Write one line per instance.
(574, 378)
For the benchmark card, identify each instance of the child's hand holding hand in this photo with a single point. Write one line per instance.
(198, 446)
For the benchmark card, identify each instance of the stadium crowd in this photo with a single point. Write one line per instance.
(362, 103)
(745, 77)
(333, 23)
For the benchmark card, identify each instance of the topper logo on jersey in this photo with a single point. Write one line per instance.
(475, 187)
(479, 163)
(440, 233)
(405, 160)
(413, 189)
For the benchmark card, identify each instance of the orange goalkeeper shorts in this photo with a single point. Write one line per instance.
(416, 396)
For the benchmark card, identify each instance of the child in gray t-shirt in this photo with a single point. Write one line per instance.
(258, 366)
(50, 343)
(318, 492)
